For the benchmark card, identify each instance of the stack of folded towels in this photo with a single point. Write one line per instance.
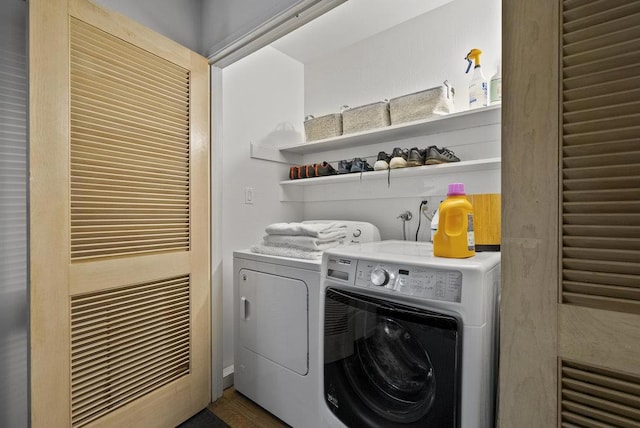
(301, 240)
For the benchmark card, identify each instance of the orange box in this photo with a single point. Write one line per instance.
(486, 221)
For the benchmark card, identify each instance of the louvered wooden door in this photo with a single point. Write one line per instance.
(119, 220)
(599, 314)
(570, 327)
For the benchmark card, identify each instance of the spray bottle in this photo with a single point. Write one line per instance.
(478, 84)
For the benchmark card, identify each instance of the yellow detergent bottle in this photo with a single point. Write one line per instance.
(454, 237)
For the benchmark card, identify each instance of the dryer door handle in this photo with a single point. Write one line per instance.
(244, 308)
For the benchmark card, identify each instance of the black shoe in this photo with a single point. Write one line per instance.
(443, 155)
(360, 165)
(344, 167)
(325, 169)
(416, 157)
(382, 162)
(399, 158)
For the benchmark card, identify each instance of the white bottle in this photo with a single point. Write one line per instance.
(434, 223)
(477, 90)
(495, 94)
(478, 86)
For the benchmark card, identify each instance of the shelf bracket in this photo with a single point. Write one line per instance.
(273, 154)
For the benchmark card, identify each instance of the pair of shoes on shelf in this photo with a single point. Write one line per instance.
(311, 171)
(402, 158)
(344, 166)
(382, 162)
(435, 155)
(302, 171)
(325, 169)
(416, 157)
(397, 159)
(353, 165)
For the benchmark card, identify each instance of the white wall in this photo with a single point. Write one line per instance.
(267, 88)
(262, 98)
(415, 55)
(178, 20)
(381, 203)
(412, 56)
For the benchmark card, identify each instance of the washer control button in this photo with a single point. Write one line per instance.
(357, 233)
(379, 277)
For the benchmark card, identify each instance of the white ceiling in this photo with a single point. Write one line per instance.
(349, 23)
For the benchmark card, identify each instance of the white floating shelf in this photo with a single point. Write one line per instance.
(462, 167)
(479, 176)
(451, 122)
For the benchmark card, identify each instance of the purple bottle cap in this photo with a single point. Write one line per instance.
(456, 189)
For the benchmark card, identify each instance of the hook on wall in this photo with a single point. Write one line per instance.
(405, 217)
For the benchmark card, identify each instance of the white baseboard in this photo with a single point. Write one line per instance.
(227, 377)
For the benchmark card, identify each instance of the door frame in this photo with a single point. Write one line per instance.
(530, 211)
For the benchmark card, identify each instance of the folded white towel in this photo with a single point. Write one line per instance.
(295, 253)
(304, 242)
(317, 230)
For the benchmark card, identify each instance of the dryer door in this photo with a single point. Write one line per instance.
(273, 318)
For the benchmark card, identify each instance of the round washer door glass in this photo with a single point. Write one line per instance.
(399, 380)
(387, 364)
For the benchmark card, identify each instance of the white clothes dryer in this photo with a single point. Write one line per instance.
(276, 330)
(408, 339)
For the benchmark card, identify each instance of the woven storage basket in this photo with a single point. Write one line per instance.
(421, 105)
(363, 118)
(319, 128)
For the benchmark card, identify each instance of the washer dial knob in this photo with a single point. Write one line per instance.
(379, 277)
(357, 233)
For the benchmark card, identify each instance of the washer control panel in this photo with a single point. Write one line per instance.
(417, 281)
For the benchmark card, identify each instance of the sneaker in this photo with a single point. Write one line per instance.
(416, 157)
(443, 155)
(294, 173)
(325, 169)
(344, 167)
(398, 158)
(311, 170)
(382, 162)
(360, 165)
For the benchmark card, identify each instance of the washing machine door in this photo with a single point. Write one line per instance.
(388, 364)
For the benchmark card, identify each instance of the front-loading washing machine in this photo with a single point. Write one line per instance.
(277, 327)
(408, 339)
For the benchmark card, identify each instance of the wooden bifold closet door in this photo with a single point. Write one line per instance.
(119, 221)
(570, 302)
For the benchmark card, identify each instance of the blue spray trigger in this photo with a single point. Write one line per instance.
(469, 65)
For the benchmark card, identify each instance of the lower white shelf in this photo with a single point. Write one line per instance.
(479, 176)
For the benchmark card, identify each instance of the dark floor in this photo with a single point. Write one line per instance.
(204, 419)
(233, 410)
(239, 412)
